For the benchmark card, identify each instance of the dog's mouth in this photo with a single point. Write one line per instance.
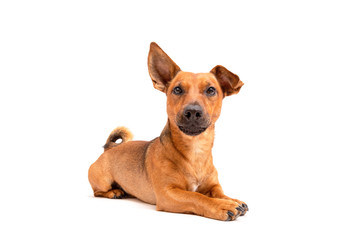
(192, 130)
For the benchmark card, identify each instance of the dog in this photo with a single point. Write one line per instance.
(174, 171)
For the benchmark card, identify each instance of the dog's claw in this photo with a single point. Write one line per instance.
(245, 206)
(118, 197)
(230, 215)
(241, 211)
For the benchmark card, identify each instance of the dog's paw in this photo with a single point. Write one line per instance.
(227, 210)
(243, 207)
(116, 194)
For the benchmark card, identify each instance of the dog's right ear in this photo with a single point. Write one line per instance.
(161, 68)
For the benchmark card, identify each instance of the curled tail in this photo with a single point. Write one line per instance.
(119, 132)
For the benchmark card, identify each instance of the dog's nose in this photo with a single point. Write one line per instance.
(193, 112)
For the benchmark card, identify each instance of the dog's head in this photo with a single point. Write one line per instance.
(193, 100)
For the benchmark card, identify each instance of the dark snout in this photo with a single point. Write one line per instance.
(193, 113)
(193, 120)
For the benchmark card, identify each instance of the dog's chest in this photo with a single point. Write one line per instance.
(195, 179)
(194, 187)
(198, 165)
(199, 148)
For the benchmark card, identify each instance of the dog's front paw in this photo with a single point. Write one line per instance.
(227, 210)
(243, 207)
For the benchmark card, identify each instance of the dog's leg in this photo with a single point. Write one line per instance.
(103, 185)
(113, 193)
(181, 201)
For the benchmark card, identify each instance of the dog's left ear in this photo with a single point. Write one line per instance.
(230, 83)
(162, 68)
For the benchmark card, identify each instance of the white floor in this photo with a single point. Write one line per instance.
(85, 217)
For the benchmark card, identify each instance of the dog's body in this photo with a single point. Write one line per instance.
(175, 171)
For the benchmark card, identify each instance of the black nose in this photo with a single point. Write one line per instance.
(193, 112)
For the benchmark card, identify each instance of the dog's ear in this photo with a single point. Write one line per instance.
(230, 83)
(161, 68)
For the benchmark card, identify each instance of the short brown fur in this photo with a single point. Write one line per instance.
(174, 171)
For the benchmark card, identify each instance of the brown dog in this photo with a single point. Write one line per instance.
(174, 171)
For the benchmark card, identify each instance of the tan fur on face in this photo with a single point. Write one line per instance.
(194, 85)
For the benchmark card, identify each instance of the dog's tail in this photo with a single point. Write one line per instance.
(119, 132)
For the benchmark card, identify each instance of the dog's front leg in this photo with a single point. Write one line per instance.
(180, 201)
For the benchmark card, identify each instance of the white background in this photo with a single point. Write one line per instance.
(287, 144)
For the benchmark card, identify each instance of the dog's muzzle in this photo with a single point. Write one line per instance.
(193, 121)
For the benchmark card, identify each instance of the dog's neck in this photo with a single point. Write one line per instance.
(189, 147)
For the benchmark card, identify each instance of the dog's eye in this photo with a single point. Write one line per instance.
(178, 91)
(211, 91)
